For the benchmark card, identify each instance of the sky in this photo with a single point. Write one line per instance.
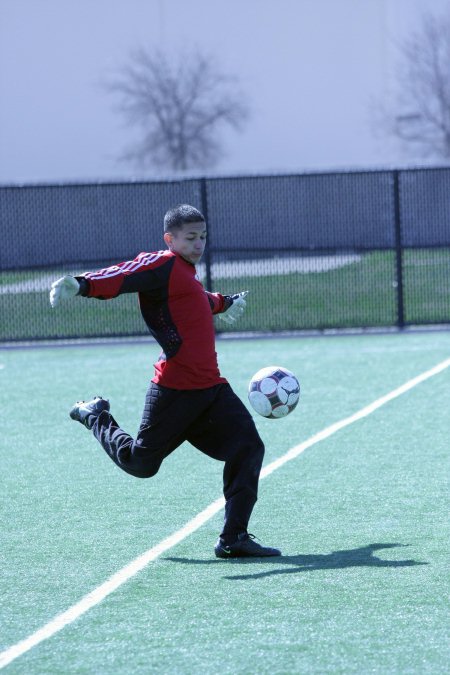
(310, 69)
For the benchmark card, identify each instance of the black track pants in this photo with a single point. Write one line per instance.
(214, 420)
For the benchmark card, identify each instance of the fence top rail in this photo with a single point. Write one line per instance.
(218, 177)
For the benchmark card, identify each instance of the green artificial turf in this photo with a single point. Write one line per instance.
(361, 518)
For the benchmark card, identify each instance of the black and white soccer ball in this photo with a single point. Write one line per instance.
(274, 392)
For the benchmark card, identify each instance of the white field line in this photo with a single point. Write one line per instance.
(130, 570)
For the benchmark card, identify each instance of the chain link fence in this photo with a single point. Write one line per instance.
(316, 251)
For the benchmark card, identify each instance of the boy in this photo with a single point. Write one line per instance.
(187, 398)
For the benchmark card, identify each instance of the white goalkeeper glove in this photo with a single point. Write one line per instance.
(236, 309)
(63, 289)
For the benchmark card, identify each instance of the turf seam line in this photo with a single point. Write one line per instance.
(123, 575)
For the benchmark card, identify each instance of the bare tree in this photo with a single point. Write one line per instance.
(420, 116)
(179, 109)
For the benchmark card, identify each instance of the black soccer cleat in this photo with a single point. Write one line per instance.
(245, 546)
(87, 412)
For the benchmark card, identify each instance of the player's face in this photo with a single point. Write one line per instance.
(189, 241)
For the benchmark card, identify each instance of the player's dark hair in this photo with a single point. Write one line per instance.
(180, 214)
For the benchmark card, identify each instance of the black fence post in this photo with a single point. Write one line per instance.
(207, 255)
(398, 251)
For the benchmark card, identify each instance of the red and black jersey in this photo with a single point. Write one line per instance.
(177, 310)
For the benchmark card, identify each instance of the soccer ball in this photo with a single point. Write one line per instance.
(273, 392)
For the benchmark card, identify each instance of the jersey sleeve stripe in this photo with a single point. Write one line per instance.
(128, 267)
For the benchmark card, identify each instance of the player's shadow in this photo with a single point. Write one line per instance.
(293, 564)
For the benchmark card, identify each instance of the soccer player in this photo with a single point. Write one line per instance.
(187, 399)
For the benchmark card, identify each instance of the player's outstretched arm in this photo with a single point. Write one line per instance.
(63, 289)
(235, 309)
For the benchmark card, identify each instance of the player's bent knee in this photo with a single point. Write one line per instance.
(257, 449)
(146, 471)
(250, 453)
(139, 469)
